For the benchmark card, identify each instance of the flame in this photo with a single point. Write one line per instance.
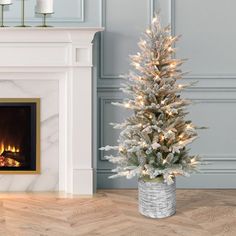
(8, 162)
(8, 147)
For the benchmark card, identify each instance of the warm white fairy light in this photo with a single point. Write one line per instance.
(143, 43)
(127, 105)
(148, 31)
(188, 126)
(137, 65)
(154, 20)
(180, 86)
(162, 137)
(193, 161)
(144, 172)
(141, 103)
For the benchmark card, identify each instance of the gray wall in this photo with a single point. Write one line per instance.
(67, 13)
(208, 39)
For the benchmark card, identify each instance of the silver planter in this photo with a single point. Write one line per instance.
(156, 199)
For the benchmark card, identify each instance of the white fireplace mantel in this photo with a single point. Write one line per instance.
(63, 54)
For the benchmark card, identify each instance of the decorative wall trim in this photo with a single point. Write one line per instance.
(212, 76)
(102, 102)
(116, 89)
(210, 88)
(194, 76)
(172, 16)
(214, 100)
(151, 10)
(209, 158)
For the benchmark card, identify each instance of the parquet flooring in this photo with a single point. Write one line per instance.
(115, 213)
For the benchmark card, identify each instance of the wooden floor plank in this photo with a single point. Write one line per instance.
(115, 213)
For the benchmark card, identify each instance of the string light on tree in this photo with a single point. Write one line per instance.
(188, 126)
(148, 31)
(162, 138)
(143, 43)
(154, 20)
(127, 105)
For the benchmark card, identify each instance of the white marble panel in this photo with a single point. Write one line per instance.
(48, 92)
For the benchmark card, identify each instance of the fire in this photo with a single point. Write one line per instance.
(9, 162)
(8, 147)
(8, 155)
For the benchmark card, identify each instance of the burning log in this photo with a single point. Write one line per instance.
(14, 155)
(8, 162)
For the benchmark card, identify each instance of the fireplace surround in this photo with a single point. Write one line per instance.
(55, 65)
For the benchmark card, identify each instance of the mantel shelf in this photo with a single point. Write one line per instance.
(81, 35)
(97, 29)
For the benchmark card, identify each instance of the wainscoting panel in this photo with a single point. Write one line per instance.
(208, 40)
(216, 145)
(122, 30)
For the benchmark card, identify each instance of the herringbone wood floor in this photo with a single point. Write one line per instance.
(114, 212)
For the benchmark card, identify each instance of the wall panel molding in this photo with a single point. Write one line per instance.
(198, 76)
(102, 103)
(151, 10)
(214, 160)
(215, 93)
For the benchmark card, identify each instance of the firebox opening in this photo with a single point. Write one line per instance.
(19, 135)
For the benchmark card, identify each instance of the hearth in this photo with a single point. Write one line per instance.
(19, 136)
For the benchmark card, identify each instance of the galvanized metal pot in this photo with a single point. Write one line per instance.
(156, 199)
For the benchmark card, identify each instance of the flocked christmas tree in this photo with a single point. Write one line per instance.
(152, 143)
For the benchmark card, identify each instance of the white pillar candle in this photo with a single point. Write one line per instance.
(44, 6)
(5, 2)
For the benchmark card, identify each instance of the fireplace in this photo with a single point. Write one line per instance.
(54, 64)
(19, 136)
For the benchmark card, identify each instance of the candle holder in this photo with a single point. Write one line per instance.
(23, 15)
(2, 16)
(44, 19)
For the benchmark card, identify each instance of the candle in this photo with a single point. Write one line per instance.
(5, 2)
(44, 6)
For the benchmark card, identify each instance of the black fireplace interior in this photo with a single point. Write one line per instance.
(18, 136)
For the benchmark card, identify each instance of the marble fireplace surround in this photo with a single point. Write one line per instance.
(63, 55)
